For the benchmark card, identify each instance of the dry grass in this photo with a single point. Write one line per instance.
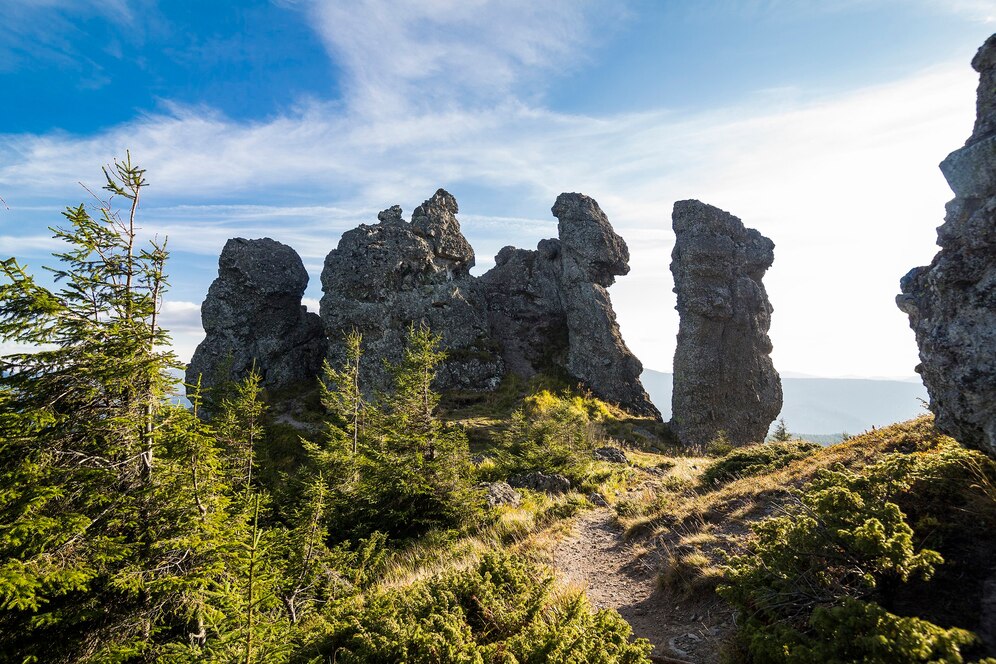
(691, 573)
(757, 496)
(695, 527)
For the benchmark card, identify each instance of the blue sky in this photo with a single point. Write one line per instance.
(819, 123)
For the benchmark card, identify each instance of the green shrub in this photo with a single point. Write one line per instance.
(819, 584)
(756, 459)
(501, 610)
(551, 434)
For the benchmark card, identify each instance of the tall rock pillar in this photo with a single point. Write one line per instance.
(724, 379)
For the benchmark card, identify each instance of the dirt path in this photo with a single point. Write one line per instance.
(595, 557)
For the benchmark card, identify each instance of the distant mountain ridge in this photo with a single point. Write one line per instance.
(823, 406)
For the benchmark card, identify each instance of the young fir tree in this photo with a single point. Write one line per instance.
(239, 423)
(80, 428)
(118, 521)
(781, 433)
(414, 471)
(341, 395)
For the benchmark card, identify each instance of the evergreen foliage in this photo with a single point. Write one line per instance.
(755, 459)
(823, 582)
(551, 433)
(501, 610)
(410, 472)
(781, 433)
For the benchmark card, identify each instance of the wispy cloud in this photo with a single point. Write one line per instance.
(847, 186)
(48, 31)
(445, 54)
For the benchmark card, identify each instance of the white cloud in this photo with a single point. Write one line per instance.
(847, 186)
(444, 54)
(183, 320)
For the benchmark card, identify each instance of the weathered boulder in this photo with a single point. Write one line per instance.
(549, 309)
(500, 493)
(253, 315)
(610, 454)
(384, 277)
(951, 303)
(527, 319)
(724, 379)
(537, 481)
(537, 311)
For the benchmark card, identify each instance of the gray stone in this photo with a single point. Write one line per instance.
(724, 379)
(500, 493)
(538, 481)
(537, 311)
(253, 315)
(951, 303)
(381, 279)
(610, 454)
(549, 309)
(597, 499)
(527, 320)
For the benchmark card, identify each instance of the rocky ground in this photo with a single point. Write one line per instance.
(623, 576)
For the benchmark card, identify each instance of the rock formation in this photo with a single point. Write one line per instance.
(382, 278)
(549, 307)
(253, 315)
(723, 376)
(951, 303)
(543, 310)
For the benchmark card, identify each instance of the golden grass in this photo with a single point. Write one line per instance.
(694, 526)
(750, 498)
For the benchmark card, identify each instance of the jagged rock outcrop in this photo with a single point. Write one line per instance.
(253, 314)
(724, 379)
(951, 303)
(542, 310)
(549, 307)
(382, 278)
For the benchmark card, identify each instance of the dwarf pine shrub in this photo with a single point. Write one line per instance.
(820, 582)
(756, 459)
(501, 610)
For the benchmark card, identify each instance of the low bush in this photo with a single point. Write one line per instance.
(551, 434)
(831, 579)
(501, 610)
(756, 459)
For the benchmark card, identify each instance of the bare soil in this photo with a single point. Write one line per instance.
(623, 576)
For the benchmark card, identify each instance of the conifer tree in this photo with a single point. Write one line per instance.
(781, 433)
(80, 426)
(413, 471)
(341, 395)
(240, 426)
